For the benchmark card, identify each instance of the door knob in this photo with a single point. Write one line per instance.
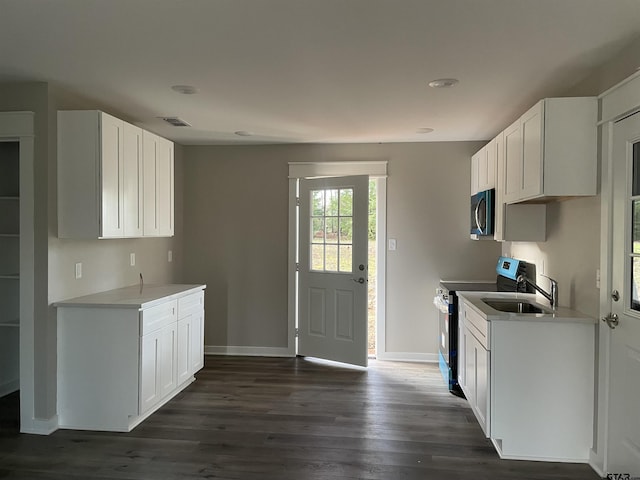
(358, 280)
(611, 320)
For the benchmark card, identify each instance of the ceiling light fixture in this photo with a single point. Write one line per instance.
(443, 83)
(185, 89)
(243, 133)
(424, 130)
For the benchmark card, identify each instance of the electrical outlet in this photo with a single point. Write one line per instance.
(598, 278)
(170, 256)
(132, 259)
(78, 270)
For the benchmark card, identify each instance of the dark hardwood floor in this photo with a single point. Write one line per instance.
(285, 419)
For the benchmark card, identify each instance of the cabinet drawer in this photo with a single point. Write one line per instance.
(477, 325)
(190, 303)
(154, 318)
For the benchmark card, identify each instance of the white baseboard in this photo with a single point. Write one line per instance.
(408, 357)
(38, 426)
(248, 351)
(9, 387)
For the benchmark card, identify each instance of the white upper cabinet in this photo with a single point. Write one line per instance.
(103, 191)
(158, 186)
(483, 168)
(90, 175)
(551, 151)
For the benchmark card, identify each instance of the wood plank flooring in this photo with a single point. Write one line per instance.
(254, 418)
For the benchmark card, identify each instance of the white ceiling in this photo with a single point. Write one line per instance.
(314, 70)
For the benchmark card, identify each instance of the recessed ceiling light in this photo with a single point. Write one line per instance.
(443, 83)
(185, 89)
(424, 130)
(243, 133)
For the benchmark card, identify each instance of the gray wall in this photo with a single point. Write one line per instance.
(236, 227)
(105, 262)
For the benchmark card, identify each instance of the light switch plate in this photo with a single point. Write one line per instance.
(132, 259)
(392, 244)
(170, 256)
(78, 270)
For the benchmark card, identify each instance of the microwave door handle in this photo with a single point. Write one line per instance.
(477, 218)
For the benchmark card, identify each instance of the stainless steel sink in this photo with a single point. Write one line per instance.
(515, 306)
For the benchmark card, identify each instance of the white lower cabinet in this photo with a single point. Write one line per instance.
(476, 364)
(530, 383)
(118, 364)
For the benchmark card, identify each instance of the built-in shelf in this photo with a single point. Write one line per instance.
(13, 276)
(10, 323)
(9, 197)
(9, 235)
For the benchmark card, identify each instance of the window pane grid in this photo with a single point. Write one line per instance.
(332, 230)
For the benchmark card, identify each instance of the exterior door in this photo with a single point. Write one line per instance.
(624, 388)
(332, 288)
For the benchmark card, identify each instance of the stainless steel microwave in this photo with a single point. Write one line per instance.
(482, 214)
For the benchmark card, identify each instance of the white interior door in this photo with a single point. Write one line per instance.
(624, 405)
(332, 257)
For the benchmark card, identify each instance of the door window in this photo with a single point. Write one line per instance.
(331, 239)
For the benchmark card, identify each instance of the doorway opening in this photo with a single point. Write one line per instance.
(373, 343)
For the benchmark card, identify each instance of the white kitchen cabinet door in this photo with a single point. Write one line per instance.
(150, 147)
(469, 367)
(184, 354)
(158, 186)
(512, 162)
(531, 127)
(462, 370)
(132, 181)
(197, 342)
(168, 367)
(475, 166)
(482, 391)
(150, 370)
(165, 178)
(487, 167)
(111, 163)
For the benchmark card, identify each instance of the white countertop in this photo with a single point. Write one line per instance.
(131, 297)
(562, 314)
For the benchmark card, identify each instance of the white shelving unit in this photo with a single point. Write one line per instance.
(9, 267)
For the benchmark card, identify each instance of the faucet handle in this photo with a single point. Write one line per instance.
(553, 282)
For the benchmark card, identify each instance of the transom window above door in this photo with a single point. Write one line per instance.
(331, 230)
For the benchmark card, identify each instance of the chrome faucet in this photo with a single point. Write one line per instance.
(552, 297)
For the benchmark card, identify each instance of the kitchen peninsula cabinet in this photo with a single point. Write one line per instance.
(122, 354)
(109, 184)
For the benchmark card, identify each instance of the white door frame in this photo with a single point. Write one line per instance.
(376, 170)
(616, 103)
(19, 126)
